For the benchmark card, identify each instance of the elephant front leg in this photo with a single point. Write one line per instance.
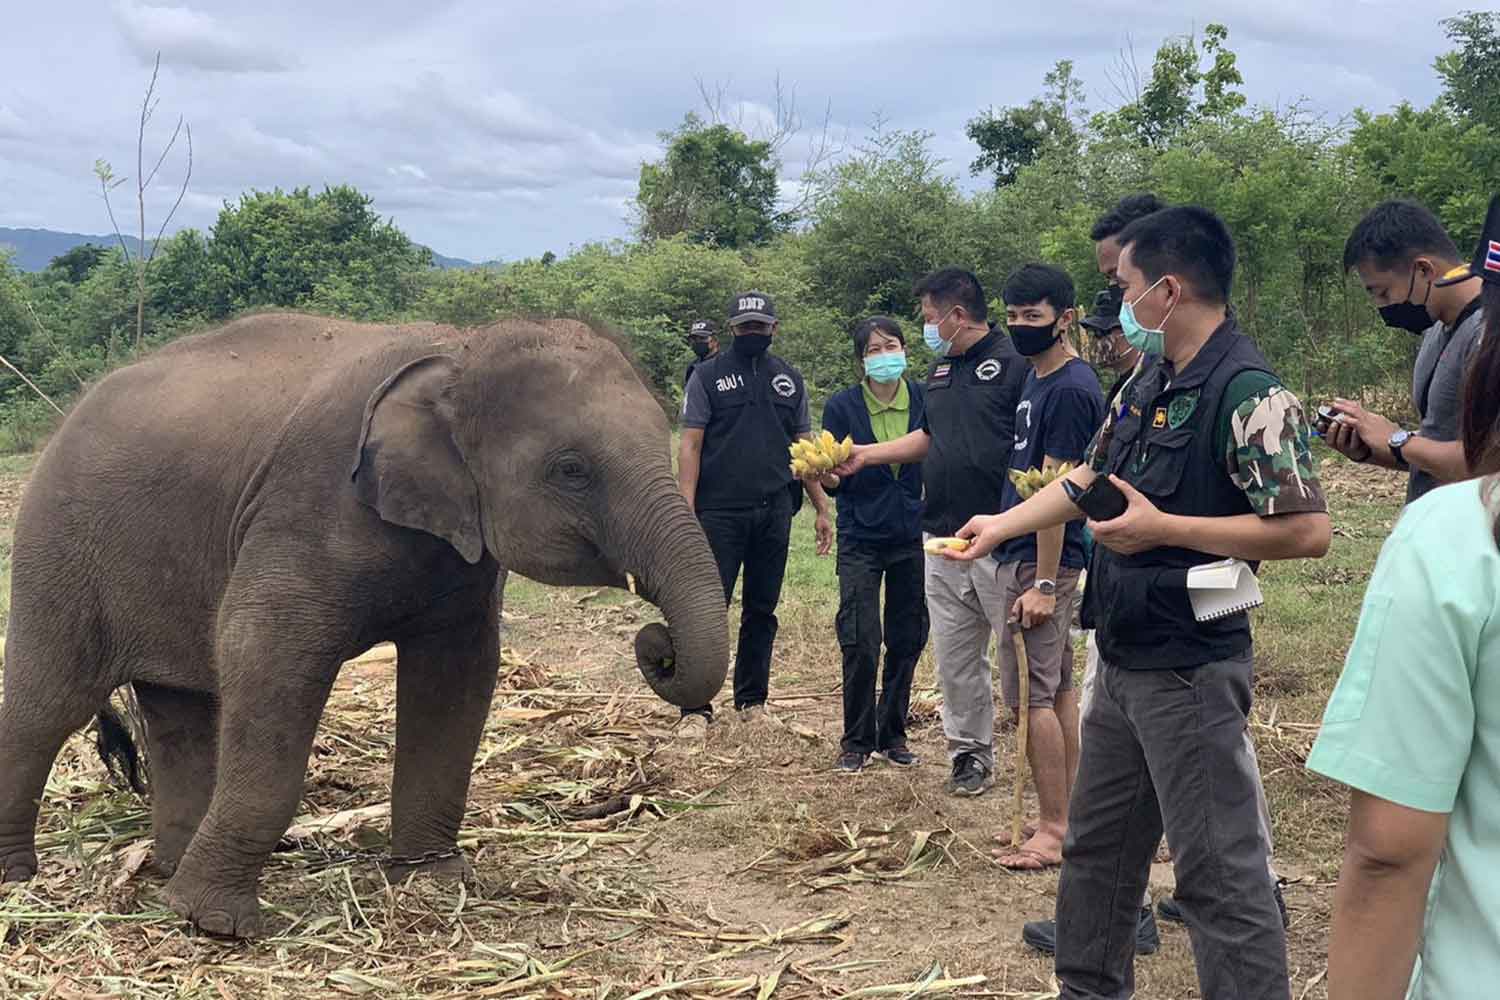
(271, 697)
(444, 684)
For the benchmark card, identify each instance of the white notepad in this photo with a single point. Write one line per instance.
(1222, 588)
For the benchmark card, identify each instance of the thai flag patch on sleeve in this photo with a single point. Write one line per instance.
(1492, 259)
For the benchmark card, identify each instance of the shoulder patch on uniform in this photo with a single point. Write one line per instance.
(784, 385)
(1181, 408)
(987, 369)
(1159, 418)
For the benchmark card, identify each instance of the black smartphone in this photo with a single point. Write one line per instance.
(1327, 417)
(1102, 501)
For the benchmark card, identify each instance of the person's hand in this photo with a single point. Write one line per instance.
(1142, 527)
(1344, 439)
(829, 481)
(823, 530)
(1372, 429)
(1033, 608)
(985, 532)
(857, 460)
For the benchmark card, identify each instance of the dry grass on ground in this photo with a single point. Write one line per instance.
(612, 863)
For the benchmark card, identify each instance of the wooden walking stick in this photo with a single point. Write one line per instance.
(1023, 670)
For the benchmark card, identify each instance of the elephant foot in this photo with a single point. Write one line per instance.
(214, 910)
(452, 869)
(18, 867)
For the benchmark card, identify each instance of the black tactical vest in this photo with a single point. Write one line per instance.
(1164, 446)
(754, 403)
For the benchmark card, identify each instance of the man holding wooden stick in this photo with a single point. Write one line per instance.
(1061, 407)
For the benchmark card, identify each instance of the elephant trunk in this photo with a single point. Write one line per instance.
(686, 661)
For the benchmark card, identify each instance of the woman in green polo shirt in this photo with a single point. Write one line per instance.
(1413, 727)
(879, 536)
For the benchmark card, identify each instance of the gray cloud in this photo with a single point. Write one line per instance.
(186, 37)
(508, 129)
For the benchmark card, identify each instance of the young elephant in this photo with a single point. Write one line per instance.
(225, 523)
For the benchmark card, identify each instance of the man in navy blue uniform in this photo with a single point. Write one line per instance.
(743, 409)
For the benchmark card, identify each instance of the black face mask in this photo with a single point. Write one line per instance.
(751, 345)
(1409, 316)
(1033, 340)
(700, 348)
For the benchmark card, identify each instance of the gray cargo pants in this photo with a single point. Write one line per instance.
(966, 603)
(1165, 750)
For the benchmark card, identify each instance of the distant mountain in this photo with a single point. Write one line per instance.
(35, 248)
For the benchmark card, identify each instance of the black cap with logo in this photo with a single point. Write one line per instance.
(1486, 262)
(1105, 315)
(703, 328)
(751, 307)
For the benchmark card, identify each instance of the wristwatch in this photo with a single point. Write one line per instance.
(1047, 588)
(1398, 441)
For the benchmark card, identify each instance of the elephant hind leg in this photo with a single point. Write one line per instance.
(182, 738)
(46, 701)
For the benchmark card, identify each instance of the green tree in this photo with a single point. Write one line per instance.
(1181, 89)
(1014, 137)
(330, 250)
(713, 185)
(1471, 73)
(880, 221)
(76, 264)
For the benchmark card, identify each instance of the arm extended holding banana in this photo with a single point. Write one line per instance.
(1122, 519)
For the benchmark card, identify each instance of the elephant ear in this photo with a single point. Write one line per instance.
(407, 465)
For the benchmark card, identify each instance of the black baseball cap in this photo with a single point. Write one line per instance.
(1486, 262)
(703, 328)
(751, 307)
(1105, 315)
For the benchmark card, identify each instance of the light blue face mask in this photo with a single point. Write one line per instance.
(1146, 341)
(934, 340)
(886, 367)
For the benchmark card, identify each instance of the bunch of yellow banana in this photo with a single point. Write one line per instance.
(1032, 480)
(811, 459)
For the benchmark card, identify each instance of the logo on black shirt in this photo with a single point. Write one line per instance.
(784, 385)
(729, 383)
(987, 369)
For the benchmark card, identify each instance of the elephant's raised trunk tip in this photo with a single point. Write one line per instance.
(693, 686)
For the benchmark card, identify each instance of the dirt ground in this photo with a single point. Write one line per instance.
(612, 860)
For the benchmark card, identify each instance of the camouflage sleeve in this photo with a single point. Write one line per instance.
(1098, 449)
(1269, 453)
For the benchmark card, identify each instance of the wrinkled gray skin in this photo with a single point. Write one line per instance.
(225, 523)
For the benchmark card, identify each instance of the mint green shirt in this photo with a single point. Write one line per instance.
(1415, 720)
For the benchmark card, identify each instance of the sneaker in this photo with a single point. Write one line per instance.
(692, 726)
(899, 757)
(969, 776)
(850, 762)
(1042, 935)
(1170, 909)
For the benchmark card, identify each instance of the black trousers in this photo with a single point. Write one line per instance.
(755, 538)
(1165, 750)
(872, 723)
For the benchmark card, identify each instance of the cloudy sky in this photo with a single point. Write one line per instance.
(489, 128)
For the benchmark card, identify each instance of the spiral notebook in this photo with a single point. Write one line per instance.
(1219, 589)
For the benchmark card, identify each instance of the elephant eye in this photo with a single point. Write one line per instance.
(569, 469)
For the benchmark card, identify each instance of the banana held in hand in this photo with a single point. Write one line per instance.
(820, 454)
(935, 546)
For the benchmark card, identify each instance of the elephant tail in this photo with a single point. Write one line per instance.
(117, 749)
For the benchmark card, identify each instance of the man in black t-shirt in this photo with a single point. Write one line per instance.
(1061, 408)
(964, 446)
